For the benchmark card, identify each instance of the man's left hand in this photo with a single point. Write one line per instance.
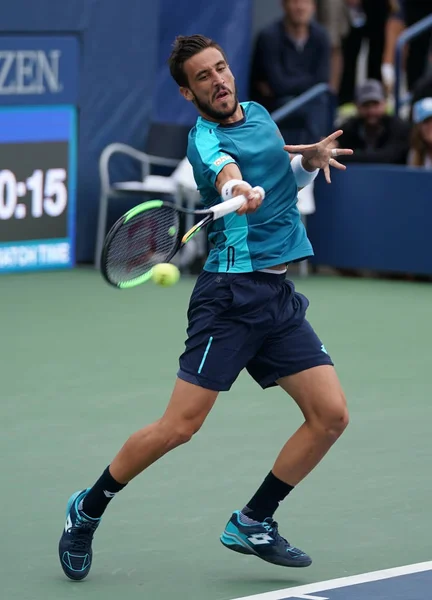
(321, 155)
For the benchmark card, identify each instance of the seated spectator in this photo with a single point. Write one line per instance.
(291, 56)
(375, 136)
(420, 154)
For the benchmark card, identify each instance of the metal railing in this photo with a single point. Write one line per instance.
(293, 105)
(410, 33)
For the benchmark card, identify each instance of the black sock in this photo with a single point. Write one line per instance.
(266, 500)
(99, 496)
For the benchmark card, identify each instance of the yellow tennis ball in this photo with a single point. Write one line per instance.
(165, 274)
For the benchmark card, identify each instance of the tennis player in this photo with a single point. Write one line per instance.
(243, 313)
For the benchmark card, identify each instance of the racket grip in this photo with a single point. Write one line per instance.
(227, 207)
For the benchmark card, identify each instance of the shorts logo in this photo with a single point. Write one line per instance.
(221, 160)
(323, 349)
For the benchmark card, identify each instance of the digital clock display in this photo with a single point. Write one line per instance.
(37, 188)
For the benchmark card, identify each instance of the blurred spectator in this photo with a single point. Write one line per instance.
(394, 28)
(420, 154)
(419, 47)
(334, 16)
(368, 21)
(375, 136)
(291, 56)
(423, 88)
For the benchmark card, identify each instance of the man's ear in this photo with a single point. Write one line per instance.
(186, 93)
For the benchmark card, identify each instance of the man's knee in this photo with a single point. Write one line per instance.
(333, 417)
(337, 419)
(179, 431)
(186, 412)
(183, 432)
(320, 397)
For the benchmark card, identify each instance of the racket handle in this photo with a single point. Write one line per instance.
(227, 207)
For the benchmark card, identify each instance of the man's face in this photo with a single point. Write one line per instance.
(211, 86)
(372, 112)
(299, 12)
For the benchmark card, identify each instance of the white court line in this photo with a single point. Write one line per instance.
(333, 584)
(307, 597)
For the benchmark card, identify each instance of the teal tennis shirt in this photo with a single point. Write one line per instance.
(272, 235)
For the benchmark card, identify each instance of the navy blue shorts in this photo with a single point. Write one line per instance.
(254, 321)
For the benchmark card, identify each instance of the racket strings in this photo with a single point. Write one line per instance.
(142, 242)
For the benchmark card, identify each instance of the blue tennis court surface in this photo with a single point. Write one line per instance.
(412, 582)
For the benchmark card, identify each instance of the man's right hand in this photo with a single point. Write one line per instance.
(254, 198)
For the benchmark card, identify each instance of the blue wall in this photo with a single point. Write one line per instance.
(374, 217)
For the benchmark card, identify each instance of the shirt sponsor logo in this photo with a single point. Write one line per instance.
(221, 160)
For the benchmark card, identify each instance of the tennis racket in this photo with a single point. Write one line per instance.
(149, 234)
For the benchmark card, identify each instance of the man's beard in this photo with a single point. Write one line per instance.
(218, 115)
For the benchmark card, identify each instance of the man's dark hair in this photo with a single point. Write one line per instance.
(185, 47)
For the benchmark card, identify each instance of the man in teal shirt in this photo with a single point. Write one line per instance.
(243, 313)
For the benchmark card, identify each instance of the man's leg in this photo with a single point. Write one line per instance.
(294, 358)
(334, 16)
(252, 530)
(186, 412)
(377, 14)
(351, 46)
(319, 395)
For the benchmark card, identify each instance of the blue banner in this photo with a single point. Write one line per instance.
(38, 69)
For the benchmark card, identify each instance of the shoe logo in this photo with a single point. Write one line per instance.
(68, 524)
(258, 539)
(109, 494)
